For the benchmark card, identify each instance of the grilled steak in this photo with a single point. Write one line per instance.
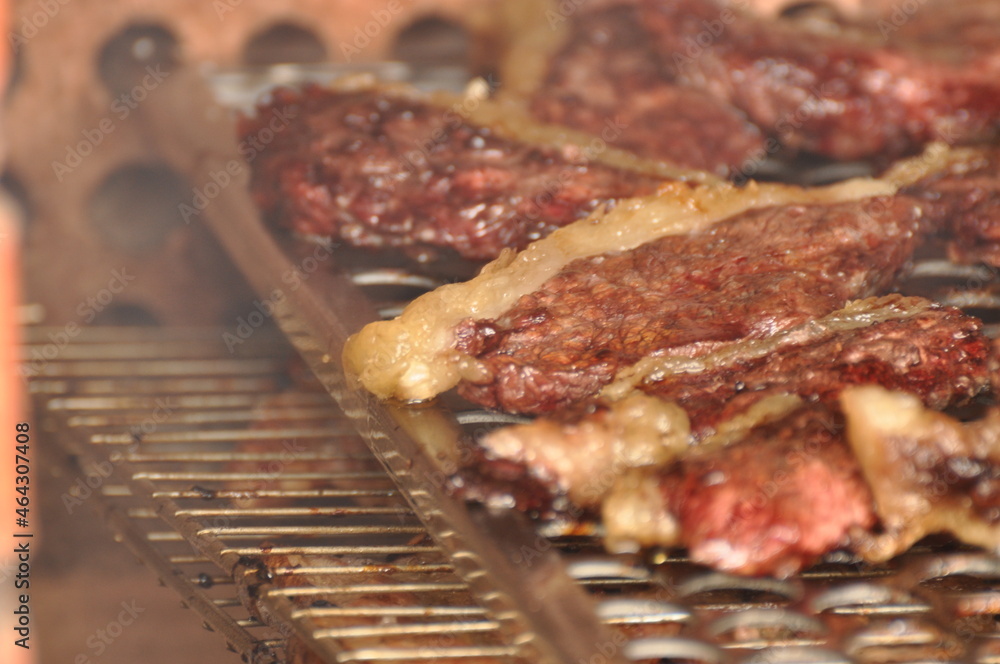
(719, 455)
(776, 256)
(383, 167)
(937, 353)
(962, 200)
(771, 504)
(847, 96)
(733, 88)
(749, 276)
(911, 344)
(793, 490)
(842, 96)
(576, 454)
(608, 70)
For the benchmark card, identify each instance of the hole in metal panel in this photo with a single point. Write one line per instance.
(126, 315)
(798, 10)
(433, 41)
(138, 206)
(284, 43)
(133, 62)
(439, 50)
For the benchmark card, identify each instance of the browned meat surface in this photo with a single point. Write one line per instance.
(794, 489)
(956, 31)
(770, 504)
(747, 277)
(373, 169)
(844, 95)
(937, 353)
(574, 454)
(712, 87)
(608, 79)
(940, 355)
(963, 202)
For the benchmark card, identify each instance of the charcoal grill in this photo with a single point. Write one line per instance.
(256, 500)
(251, 489)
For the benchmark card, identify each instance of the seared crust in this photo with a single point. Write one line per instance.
(607, 79)
(747, 277)
(962, 201)
(375, 168)
(744, 402)
(936, 353)
(415, 356)
(847, 96)
(787, 493)
(870, 86)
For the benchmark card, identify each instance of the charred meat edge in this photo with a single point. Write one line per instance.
(598, 68)
(509, 121)
(929, 473)
(413, 357)
(578, 452)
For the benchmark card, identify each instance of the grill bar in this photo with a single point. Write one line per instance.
(564, 628)
(218, 620)
(118, 516)
(140, 482)
(347, 572)
(325, 550)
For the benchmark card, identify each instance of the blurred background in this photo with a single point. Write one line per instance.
(92, 235)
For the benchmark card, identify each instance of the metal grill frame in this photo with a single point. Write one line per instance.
(840, 612)
(671, 609)
(94, 428)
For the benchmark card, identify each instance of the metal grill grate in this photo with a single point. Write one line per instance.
(323, 548)
(243, 493)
